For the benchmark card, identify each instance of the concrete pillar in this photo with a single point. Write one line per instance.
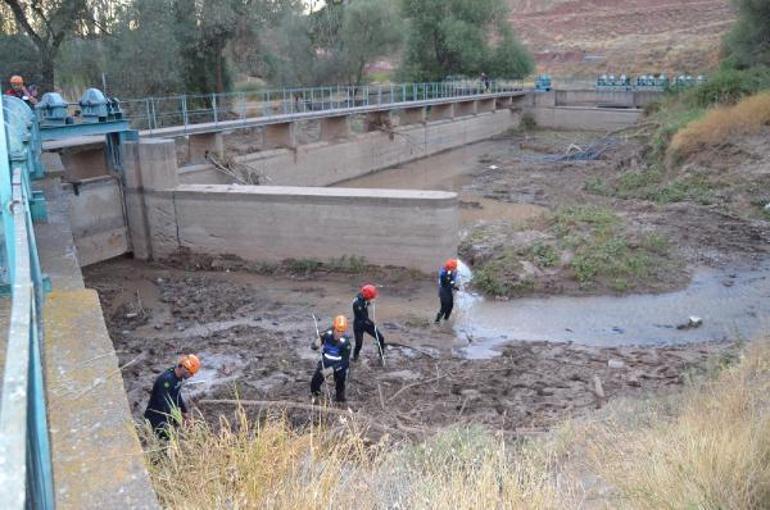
(503, 102)
(545, 98)
(150, 179)
(279, 136)
(200, 145)
(335, 128)
(441, 111)
(486, 105)
(378, 120)
(413, 116)
(465, 108)
(84, 162)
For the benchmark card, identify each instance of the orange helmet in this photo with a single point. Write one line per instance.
(369, 292)
(17, 80)
(340, 323)
(450, 265)
(191, 363)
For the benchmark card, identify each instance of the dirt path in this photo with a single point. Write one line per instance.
(253, 333)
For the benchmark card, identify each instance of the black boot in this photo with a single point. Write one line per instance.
(438, 318)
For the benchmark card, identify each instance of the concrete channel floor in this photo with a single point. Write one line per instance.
(97, 458)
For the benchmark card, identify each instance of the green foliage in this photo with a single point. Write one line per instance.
(454, 38)
(544, 255)
(143, 54)
(18, 55)
(500, 276)
(334, 44)
(748, 43)
(728, 86)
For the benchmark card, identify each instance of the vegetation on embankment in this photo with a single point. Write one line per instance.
(706, 447)
(577, 249)
(702, 146)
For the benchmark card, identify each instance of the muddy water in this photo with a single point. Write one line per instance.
(453, 171)
(731, 304)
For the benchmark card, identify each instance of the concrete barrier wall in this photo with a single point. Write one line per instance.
(590, 119)
(606, 98)
(272, 223)
(388, 227)
(97, 219)
(326, 163)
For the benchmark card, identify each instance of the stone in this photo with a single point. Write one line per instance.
(615, 363)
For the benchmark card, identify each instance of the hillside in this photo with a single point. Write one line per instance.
(584, 37)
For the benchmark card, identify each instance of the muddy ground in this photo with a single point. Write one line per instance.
(527, 213)
(253, 332)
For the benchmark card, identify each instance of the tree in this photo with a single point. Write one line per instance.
(748, 43)
(370, 29)
(48, 23)
(143, 56)
(467, 37)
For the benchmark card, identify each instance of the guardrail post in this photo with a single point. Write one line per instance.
(214, 104)
(149, 118)
(184, 110)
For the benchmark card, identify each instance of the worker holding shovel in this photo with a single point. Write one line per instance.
(335, 357)
(363, 324)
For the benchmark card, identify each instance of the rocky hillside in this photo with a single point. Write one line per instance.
(584, 37)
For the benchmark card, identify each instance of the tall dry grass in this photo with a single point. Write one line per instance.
(272, 466)
(708, 447)
(712, 452)
(746, 117)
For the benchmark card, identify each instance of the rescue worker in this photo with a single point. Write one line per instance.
(361, 321)
(447, 284)
(19, 90)
(335, 358)
(166, 394)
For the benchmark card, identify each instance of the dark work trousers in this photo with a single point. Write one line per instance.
(359, 328)
(447, 303)
(340, 373)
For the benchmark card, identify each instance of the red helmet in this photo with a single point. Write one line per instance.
(450, 265)
(369, 292)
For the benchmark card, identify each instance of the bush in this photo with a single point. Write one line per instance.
(749, 116)
(728, 86)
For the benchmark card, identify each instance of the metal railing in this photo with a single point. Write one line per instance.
(26, 475)
(152, 113)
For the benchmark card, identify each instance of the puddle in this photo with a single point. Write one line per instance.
(731, 304)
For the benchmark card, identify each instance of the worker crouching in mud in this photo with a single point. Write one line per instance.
(167, 396)
(335, 359)
(447, 284)
(361, 321)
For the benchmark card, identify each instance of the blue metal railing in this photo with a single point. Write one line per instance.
(26, 475)
(170, 111)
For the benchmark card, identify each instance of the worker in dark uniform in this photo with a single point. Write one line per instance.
(166, 394)
(335, 359)
(447, 284)
(361, 321)
(19, 90)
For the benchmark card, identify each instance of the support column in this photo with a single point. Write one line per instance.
(504, 102)
(150, 179)
(465, 108)
(84, 161)
(486, 105)
(441, 111)
(276, 136)
(335, 128)
(417, 115)
(200, 145)
(378, 120)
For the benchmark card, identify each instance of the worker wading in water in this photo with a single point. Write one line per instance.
(335, 359)
(166, 395)
(361, 321)
(447, 284)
